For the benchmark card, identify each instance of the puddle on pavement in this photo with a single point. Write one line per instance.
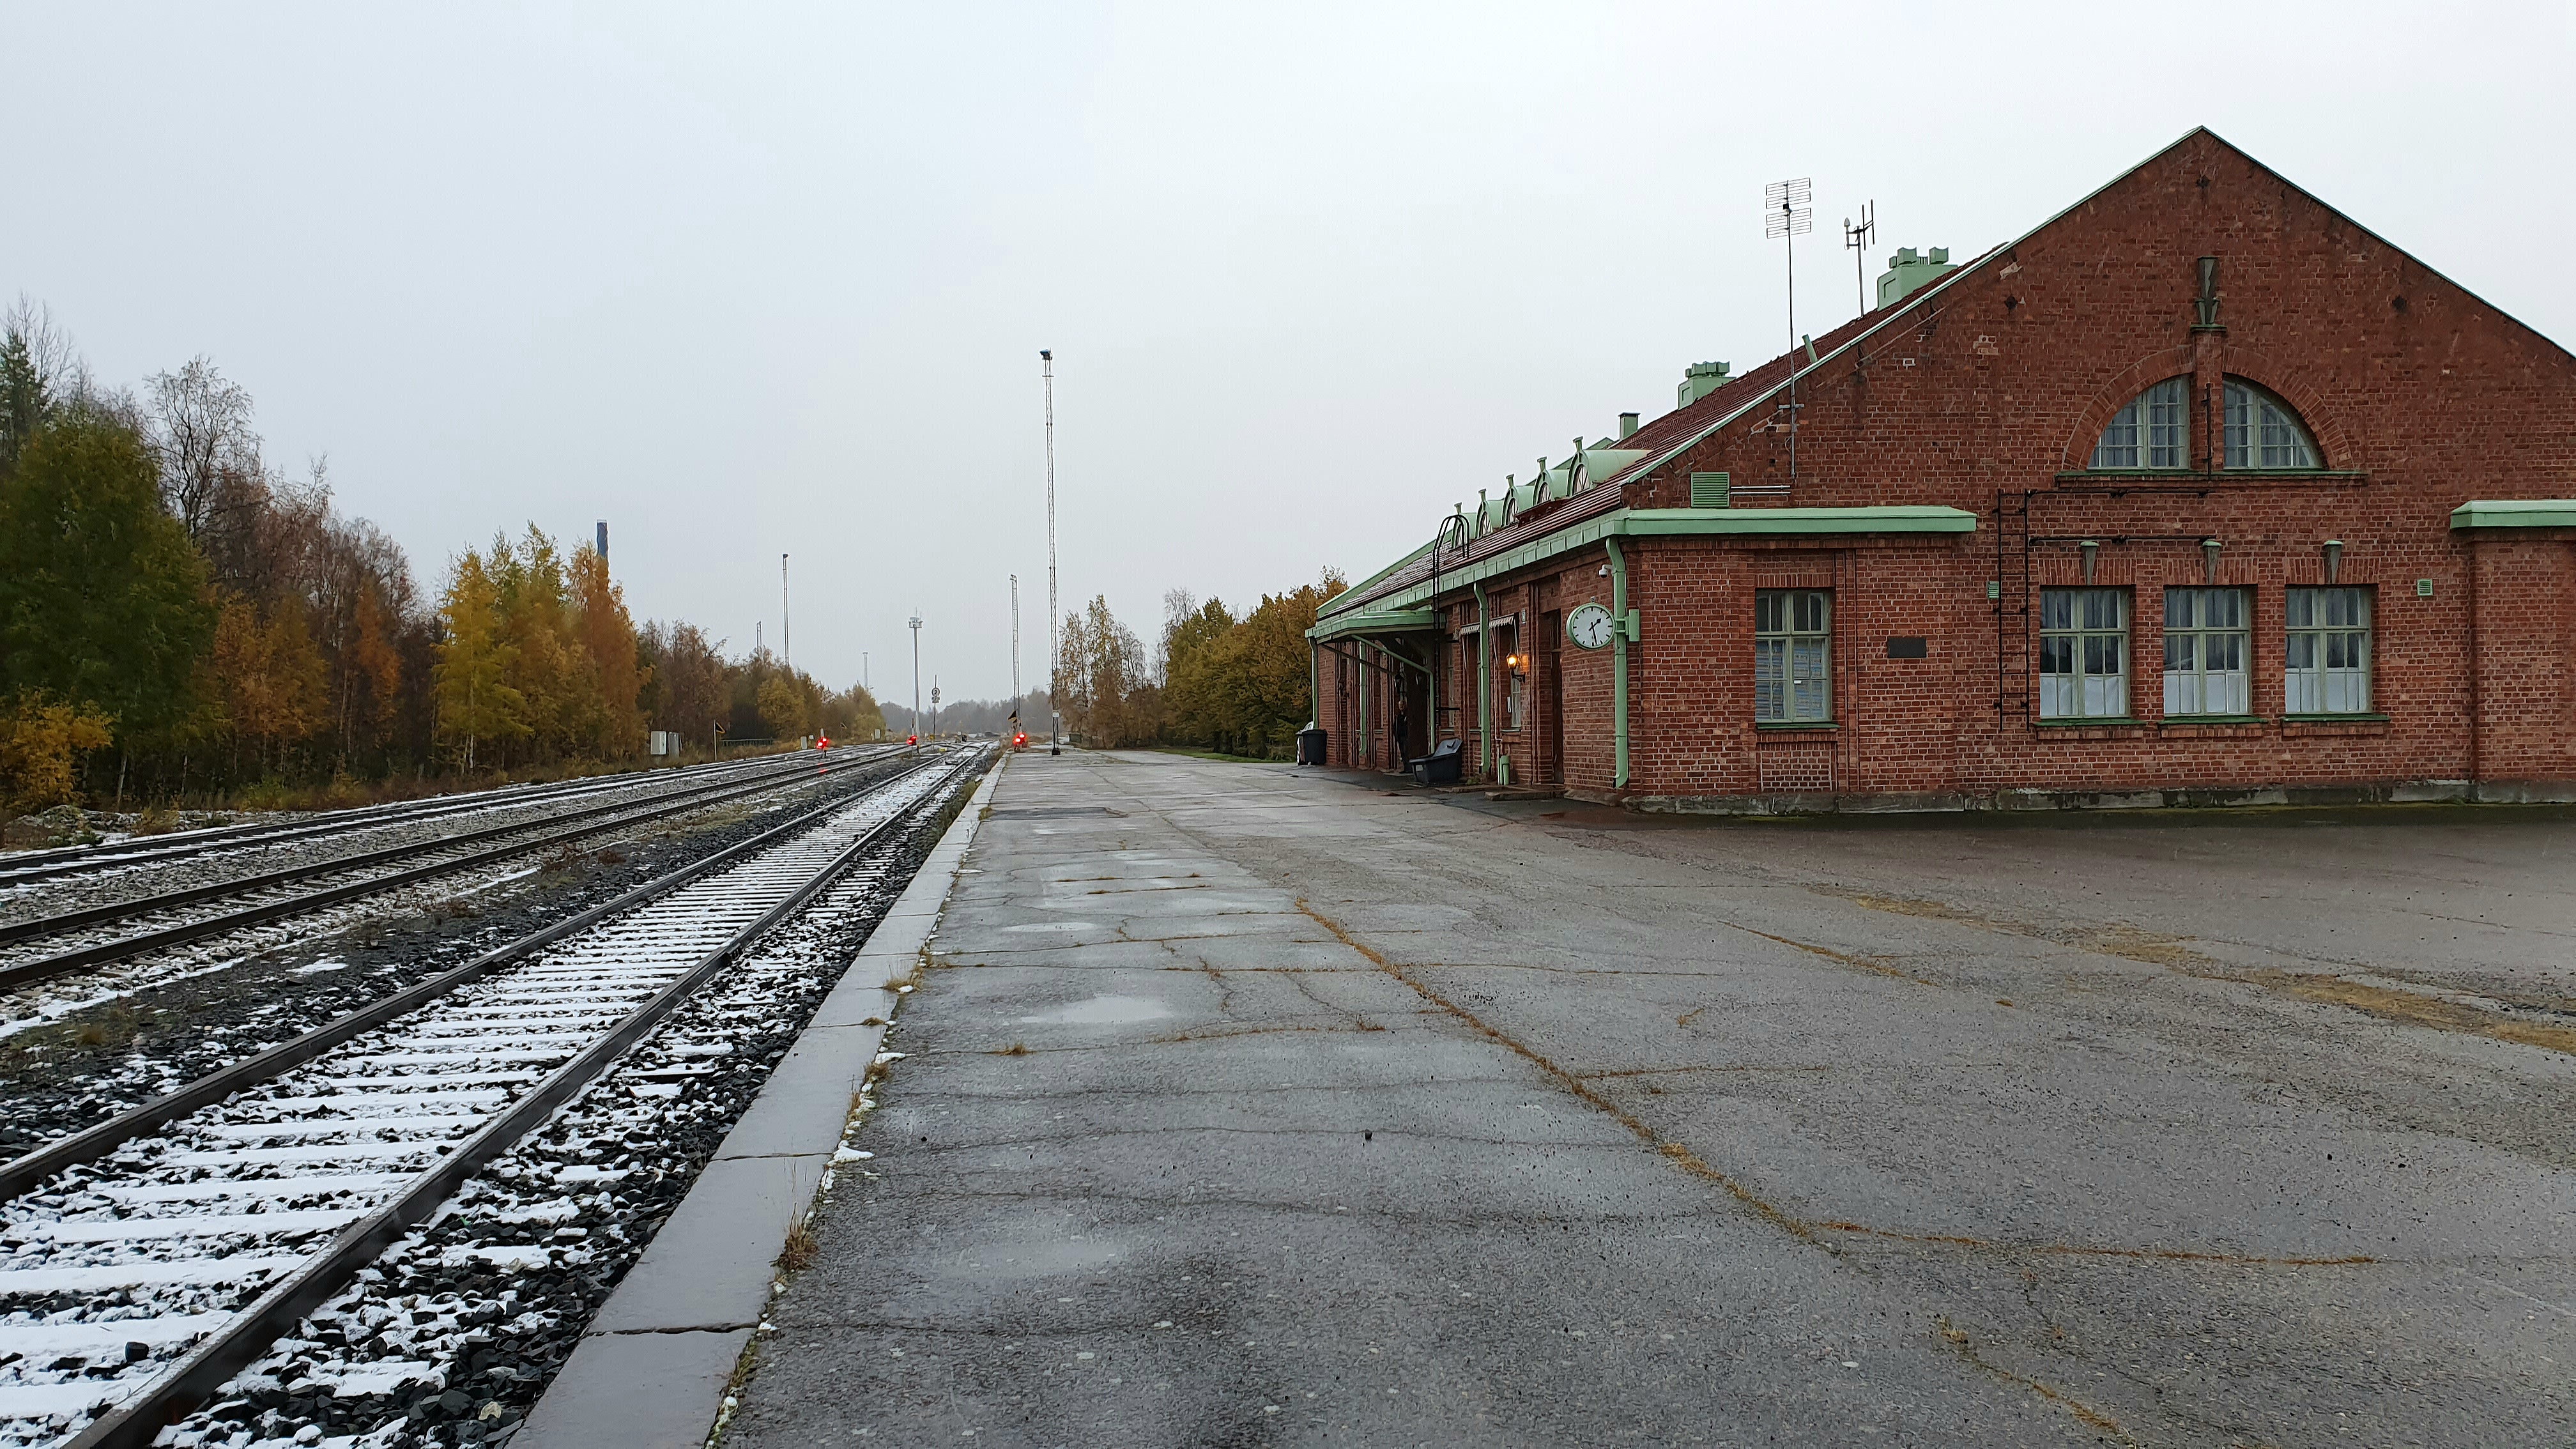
(1103, 1011)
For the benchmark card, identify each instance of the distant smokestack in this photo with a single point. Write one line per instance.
(603, 540)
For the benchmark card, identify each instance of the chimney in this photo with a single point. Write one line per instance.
(1627, 426)
(603, 540)
(1699, 380)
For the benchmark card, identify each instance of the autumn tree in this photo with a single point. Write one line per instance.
(476, 700)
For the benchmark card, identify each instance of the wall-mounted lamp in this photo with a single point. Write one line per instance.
(2209, 558)
(2334, 558)
(2092, 553)
(1516, 664)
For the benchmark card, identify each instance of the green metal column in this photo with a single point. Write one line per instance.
(1314, 685)
(1431, 687)
(1360, 755)
(1619, 663)
(1485, 692)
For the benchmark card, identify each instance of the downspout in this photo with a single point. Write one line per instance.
(1485, 689)
(1619, 664)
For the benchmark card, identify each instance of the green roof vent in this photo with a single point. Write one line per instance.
(1908, 273)
(1699, 380)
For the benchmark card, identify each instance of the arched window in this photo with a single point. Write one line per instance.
(2262, 431)
(2153, 431)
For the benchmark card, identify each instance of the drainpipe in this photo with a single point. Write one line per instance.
(1485, 690)
(1314, 684)
(1619, 663)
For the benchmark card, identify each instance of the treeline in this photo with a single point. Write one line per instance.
(1215, 680)
(972, 716)
(182, 622)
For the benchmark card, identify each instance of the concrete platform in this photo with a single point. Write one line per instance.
(1245, 1107)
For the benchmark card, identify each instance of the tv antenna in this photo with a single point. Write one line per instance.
(1856, 240)
(1788, 216)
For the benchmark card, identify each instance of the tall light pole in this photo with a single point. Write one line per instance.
(1055, 661)
(1015, 646)
(786, 654)
(916, 676)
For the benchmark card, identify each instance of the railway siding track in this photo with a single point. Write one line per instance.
(140, 852)
(161, 1252)
(536, 835)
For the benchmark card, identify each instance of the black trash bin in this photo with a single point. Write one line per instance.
(1440, 767)
(1310, 747)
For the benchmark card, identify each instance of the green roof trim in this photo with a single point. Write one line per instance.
(1665, 523)
(1374, 621)
(2515, 513)
(1669, 522)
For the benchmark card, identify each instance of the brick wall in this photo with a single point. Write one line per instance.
(2419, 395)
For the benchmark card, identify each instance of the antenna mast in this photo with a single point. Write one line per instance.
(1055, 661)
(1789, 217)
(1856, 240)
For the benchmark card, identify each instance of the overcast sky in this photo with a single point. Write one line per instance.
(752, 279)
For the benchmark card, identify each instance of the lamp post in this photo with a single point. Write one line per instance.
(916, 676)
(1046, 357)
(786, 654)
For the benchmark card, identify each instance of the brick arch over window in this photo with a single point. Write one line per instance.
(2116, 394)
(2334, 442)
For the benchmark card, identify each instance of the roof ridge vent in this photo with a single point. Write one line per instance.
(1699, 380)
(1909, 272)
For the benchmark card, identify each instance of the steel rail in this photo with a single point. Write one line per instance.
(153, 850)
(61, 921)
(211, 1363)
(92, 1143)
(695, 798)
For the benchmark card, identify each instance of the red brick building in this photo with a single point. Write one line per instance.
(2199, 492)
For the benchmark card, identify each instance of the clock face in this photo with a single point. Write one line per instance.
(1590, 626)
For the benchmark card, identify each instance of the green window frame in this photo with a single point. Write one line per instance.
(2084, 654)
(2326, 657)
(2206, 641)
(1793, 656)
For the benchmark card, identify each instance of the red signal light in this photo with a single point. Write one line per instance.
(912, 739)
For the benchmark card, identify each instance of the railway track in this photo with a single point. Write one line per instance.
(152, 1257)
(38, 867)
(44, 947)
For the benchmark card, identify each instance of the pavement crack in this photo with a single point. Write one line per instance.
(1679, 1154)
(1965, 1347)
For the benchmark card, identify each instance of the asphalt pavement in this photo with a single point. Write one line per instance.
(1245, 1106)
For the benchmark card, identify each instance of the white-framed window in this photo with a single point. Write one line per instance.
(2263, 432)
(2325, 668)
(1793, 656)
(2083, 654)
(2153, 431)
(2205, 638)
